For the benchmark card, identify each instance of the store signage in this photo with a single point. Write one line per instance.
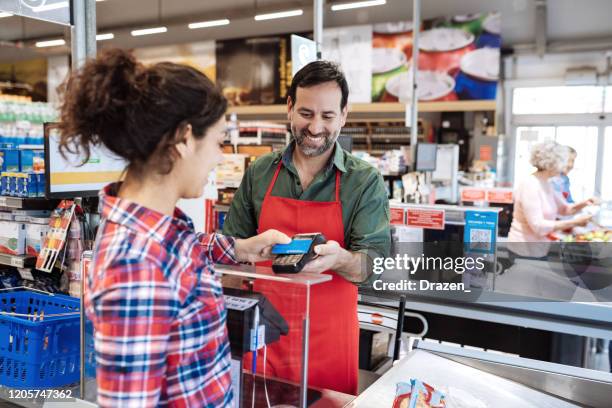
(473, 194)
(303, 52)
(486, 153)
(397, 216)
(425, 218)
(480, 231)
(500, 196)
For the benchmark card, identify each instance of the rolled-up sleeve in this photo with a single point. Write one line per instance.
(240, 220)
(132, 318)
(219, 248)
(370, 231)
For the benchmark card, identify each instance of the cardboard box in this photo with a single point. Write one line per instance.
(35, 236)
(12, 237)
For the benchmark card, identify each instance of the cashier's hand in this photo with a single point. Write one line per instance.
(329, 257)
(259, 247)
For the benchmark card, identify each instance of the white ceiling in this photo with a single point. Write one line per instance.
(567, 20)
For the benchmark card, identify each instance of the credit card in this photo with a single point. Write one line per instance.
(297, 246)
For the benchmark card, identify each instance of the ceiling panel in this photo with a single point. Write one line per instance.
(565, 20)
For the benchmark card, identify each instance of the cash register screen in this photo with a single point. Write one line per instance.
(68, 177)
(426, 156)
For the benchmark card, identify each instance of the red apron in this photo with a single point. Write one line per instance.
(334, 327)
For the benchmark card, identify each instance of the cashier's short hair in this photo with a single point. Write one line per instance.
(138, 112)
(549, 156)
(316, 73)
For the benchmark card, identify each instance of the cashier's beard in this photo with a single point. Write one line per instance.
(313, 145)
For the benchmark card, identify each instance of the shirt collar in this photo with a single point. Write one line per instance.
(337, 159)
(139, 218)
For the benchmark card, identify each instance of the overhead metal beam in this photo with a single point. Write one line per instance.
(541, 26)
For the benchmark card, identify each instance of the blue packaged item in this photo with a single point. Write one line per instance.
(26, 160)
(4, 184)
(12, 185)
(11, 160)
(32, 185)
(41, 184)
(22, 184)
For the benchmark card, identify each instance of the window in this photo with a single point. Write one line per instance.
(582, 138)
(606, 188)
(560, 100)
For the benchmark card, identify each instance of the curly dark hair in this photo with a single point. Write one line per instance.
(136, 111)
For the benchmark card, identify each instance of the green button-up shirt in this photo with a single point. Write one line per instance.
(365, 207)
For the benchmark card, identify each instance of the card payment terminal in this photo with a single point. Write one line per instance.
(292, 257)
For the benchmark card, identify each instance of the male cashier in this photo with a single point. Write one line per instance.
(314, 185)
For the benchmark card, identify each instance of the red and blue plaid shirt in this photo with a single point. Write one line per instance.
(157, 309)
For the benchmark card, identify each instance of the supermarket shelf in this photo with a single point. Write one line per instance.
(27, 203)
(18, 261)
(367, 112)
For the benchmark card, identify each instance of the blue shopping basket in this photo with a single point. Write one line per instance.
(39, 340)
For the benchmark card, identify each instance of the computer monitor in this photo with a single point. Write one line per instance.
(254, 150)
(69, 177)
(426, 156)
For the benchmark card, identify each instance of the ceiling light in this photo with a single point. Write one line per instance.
(213, 23)
(103, 37)
(2, 15)
(147, 31)
(282, 14)
(357, 4)
(50, 43)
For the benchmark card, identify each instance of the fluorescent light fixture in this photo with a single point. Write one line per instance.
(50, 7)
(357, 4)
(50, 43)
(212, 23)
(281, 14)
(148, 31)
(103, 37)
(2, 15)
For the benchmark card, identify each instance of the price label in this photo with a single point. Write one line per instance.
(2, 201)
(16, 262)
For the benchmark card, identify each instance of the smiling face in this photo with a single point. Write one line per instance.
(316, 117)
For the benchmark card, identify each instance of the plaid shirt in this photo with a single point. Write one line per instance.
(157, 308)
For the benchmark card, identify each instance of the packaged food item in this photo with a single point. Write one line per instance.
(11, 160)
(35, 235)
(417, 394)
(12, 238)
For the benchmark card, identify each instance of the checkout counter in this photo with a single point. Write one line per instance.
(558, 287)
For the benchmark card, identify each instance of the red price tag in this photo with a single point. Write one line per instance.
(473, 194)
(397, 216)
(500, 196)
(430, 219)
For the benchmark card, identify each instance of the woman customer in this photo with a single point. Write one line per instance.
(154, 298)
(537, 206)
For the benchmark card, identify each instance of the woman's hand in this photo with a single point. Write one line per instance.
(579, 206)
(582, 220)
(259, 247)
